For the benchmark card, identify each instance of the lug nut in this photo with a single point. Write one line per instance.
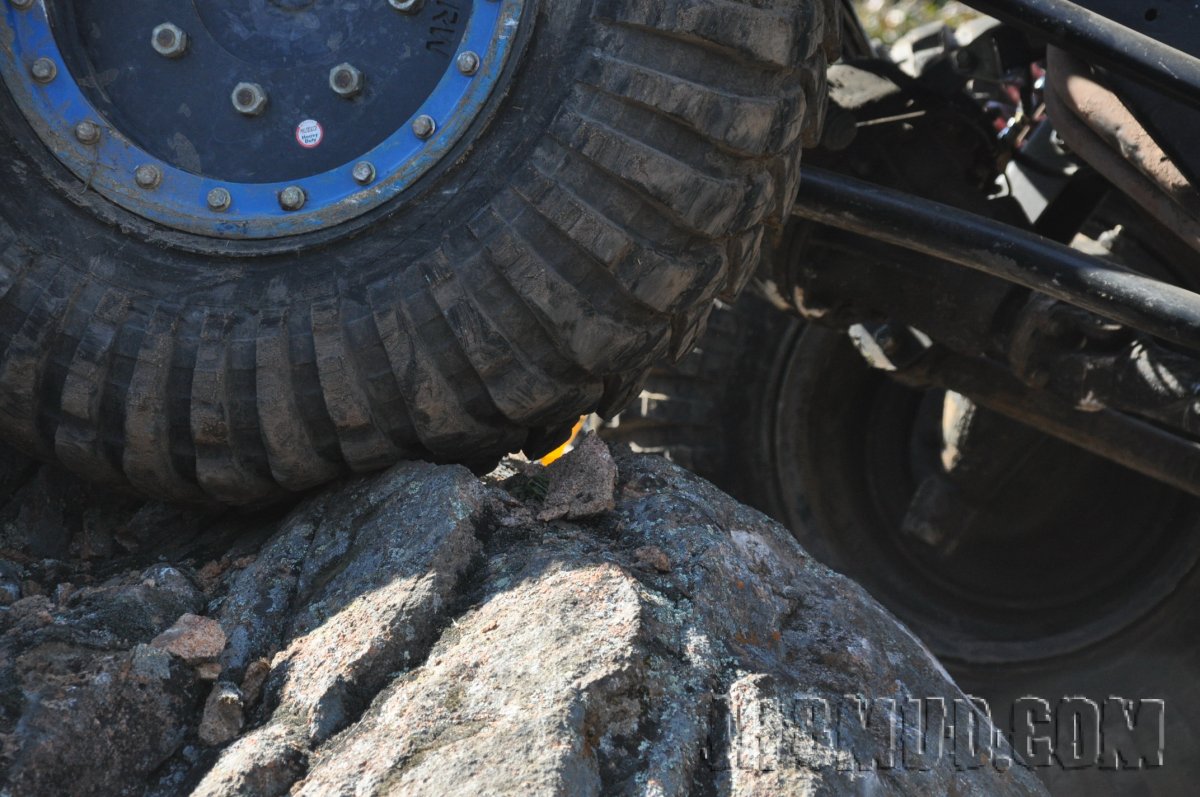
(249, 99)
(219, 199)
(43, 70)
(292, 198)
(87, 132)
(169, 41)
(22, 5)
(407, 6)
(424, 126)
(345, 80)
(364, 173)
(147, 176)
(468, 62)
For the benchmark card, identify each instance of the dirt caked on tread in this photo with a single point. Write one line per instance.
(631, 169)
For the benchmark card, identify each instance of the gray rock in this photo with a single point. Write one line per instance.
(581, 484)
(383, 565)
(424, 632)
(223, 715)
(10, 582)
(78, 686)
(94, 722)
(649, 650)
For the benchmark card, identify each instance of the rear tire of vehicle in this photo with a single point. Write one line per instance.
(710, 412)
(725, 413)
(627, 172)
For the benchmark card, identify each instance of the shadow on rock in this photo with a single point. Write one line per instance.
(599, 627)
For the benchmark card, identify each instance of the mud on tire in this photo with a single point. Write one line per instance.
(627, 173)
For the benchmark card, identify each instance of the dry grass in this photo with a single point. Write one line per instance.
(888, 20)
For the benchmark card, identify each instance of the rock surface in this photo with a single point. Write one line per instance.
(197, 640)
(602, 627)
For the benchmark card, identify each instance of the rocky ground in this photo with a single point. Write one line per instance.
(604, 626)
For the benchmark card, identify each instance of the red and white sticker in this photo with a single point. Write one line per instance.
(309, 133)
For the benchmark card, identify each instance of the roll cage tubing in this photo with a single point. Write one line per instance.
(1156, 41)
(956, 236)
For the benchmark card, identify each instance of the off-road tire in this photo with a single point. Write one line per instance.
(627, 172)
(708, 412)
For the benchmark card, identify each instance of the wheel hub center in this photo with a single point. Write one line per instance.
(280, 32)
(293, 5)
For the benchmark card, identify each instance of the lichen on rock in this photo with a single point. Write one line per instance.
(631, 630)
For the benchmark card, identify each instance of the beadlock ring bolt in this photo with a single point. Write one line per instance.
(219, 199)
(407, 6)
(364, 173)
(43, 70)
(292, 198)
(148, 176)
(249, 99)
(169, 41)
(468, 62)
(87, 132)
(424, 126)
(346, 81)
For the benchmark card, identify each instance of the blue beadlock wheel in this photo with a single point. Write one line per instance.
(259, 119)
(247, 247)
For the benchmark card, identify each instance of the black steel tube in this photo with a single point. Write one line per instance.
(1133, 443)
(1092, 35)
(1139, 302)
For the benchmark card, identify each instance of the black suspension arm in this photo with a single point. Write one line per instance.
(1075, 28)
(1138, 302)
(1133, 443)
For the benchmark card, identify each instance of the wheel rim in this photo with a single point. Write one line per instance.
(859, 471)
(274, 118)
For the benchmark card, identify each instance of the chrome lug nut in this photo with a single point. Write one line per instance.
(292, 198)
(169, 41)
(345, 80)
(219, 199)
(424, 126)
(364, 173)
(43, 70)
(249, 99)
(407, 6)
(87, 132)
(147, 176)
(468, 62)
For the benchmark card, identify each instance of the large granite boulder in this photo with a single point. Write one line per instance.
(599, 627)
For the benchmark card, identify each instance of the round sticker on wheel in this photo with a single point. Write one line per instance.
(309, 133)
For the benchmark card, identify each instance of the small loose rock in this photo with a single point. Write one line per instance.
(195, 639)
(252, 682)
(581, 484)
(223, 715)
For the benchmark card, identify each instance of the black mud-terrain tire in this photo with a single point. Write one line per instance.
(628, 171)
(708, 412)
